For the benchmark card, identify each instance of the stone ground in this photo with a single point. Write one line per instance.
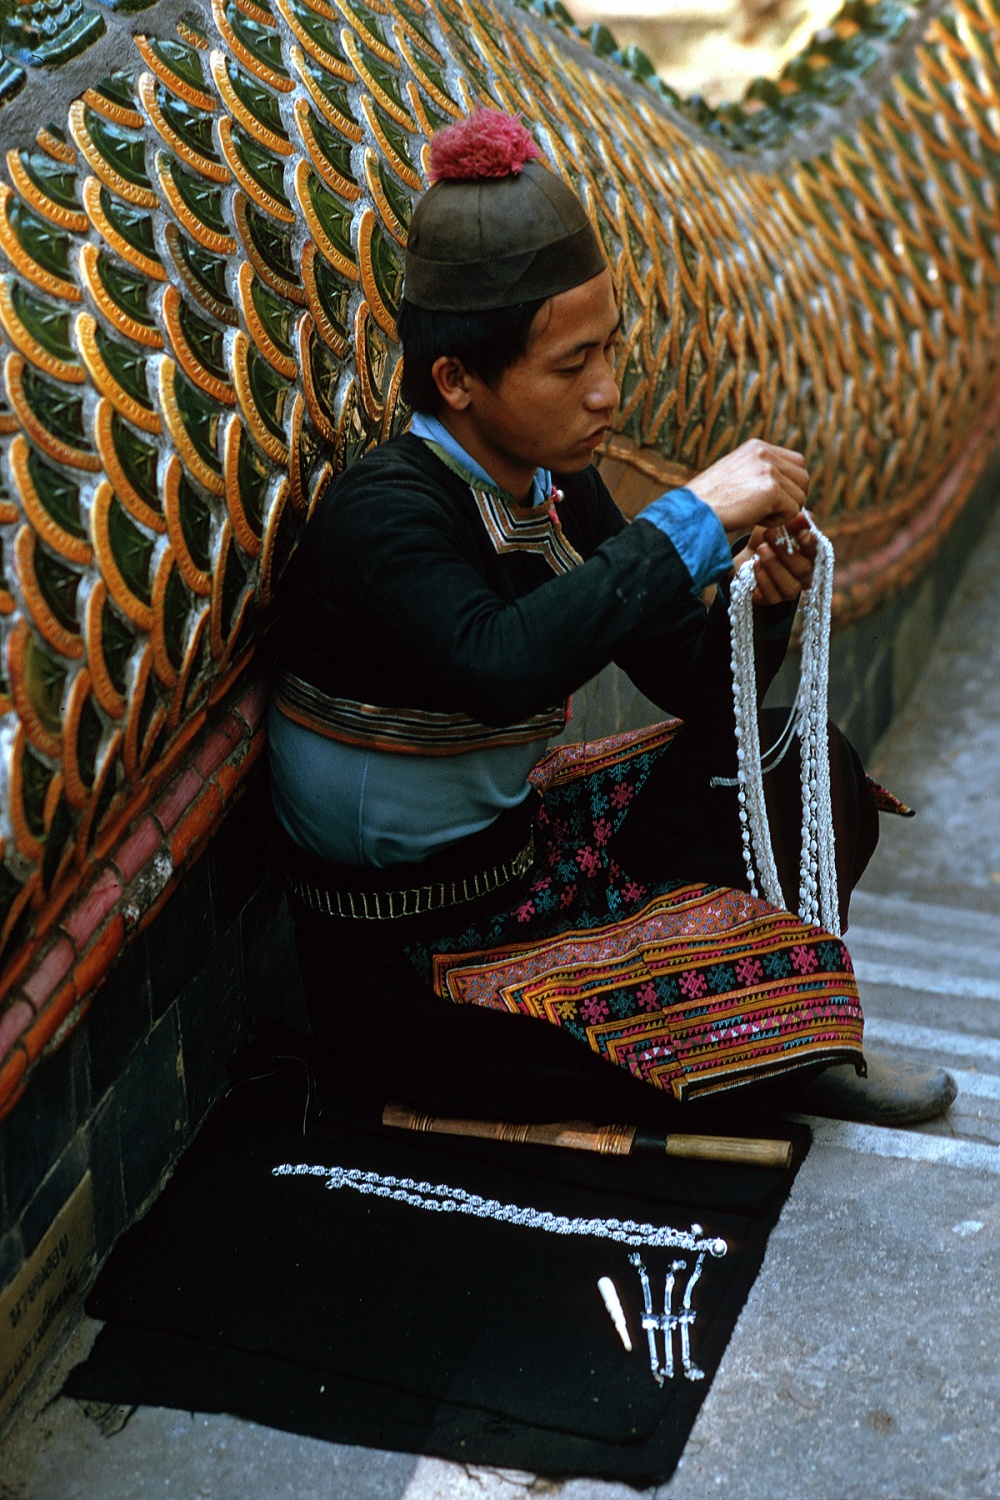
(865, 1363)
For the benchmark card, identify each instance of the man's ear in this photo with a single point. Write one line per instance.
(452, 380)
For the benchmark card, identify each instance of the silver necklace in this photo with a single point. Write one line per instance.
(818, 902)
(441, 1198)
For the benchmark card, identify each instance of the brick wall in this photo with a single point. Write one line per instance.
(129, 1088)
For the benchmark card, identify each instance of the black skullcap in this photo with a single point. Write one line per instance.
(496, 228)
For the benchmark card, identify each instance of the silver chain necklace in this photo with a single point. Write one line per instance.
(441, 1198)
(818, 903)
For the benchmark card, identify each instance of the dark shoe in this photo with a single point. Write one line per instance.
(894, 1093)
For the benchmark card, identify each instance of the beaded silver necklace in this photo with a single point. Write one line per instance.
(818, 902)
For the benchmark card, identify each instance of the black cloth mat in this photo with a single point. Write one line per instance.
(359, 1319)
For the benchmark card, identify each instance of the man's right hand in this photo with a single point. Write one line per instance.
(758, 484)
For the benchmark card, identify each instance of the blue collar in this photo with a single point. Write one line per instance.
(432, 430)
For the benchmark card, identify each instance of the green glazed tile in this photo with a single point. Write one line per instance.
(135, 225)
(197, 677)
(265, 169)
(59, 494)
(332, 88)
(44, 679)
(127, 367)
(88, 740)
(176, 609)
(335, 218)
(10, 886)
(46, 245)
(200, 416)
(59, 834)
(111, 786)
(56, 180)
(196, 524)
(138, 457)
(195, 23)
(124, 287)
(417, 20)
(233, 583)
(326, 371)
(59, 586)
(258, 100)
(283, 543)
(201, 197)
(387, 269)
(274, 247)
(50, 325)
(270, 392)
(367, 21)
(207, 343)
(325, 34)
(35, 778)
(398, 138)
(334, 147)
(12, 81)
(376, 357)
(132, 551)
(124, 150)
(435, 119)
(207, 269)
(253, 478)
(354, 428)
(384, 77)
(262, 41)
(194, 126)
(117, 640)
(150, 701)
(118, 88)
(60, 412)
(398, 198)
(50, 32)
(486, 21)
(181, 59)
(276, 315)
(434, 74)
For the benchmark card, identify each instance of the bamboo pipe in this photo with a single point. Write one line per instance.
(605, 1140)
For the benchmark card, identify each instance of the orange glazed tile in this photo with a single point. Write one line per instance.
(38, 1036)
(227, 778)
(11, 1076)
(196, 825)
(92, 968)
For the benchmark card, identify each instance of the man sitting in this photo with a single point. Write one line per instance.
(482, 927)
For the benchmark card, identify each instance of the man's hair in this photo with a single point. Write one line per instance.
(487, 343)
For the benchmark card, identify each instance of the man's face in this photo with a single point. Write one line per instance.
(554, 406)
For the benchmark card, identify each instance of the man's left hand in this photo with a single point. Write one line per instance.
(781, 574)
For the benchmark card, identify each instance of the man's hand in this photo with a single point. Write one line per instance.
(781, 575)
(757, 485)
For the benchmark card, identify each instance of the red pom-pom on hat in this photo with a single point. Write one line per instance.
(487, 144)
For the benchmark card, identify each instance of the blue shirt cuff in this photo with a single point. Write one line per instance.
(696, 533)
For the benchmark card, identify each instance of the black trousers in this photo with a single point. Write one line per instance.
(382, 1035)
